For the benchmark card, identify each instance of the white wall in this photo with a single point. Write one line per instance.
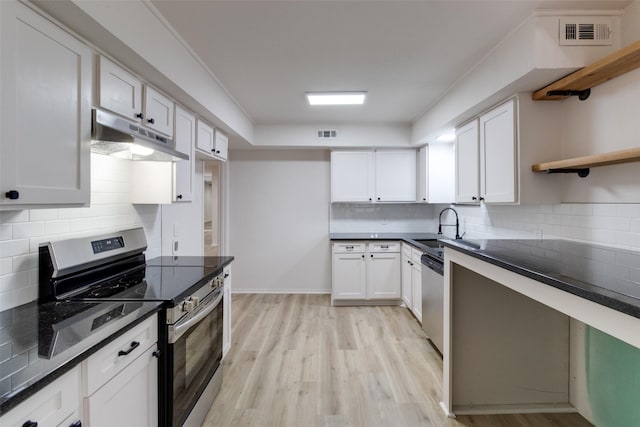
(278, 220)
(349, 135)
(21, 232)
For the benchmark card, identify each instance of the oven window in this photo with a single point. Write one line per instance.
(196, 356)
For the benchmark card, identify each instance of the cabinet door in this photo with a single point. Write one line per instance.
(383, 276)
(416, 291)
(57, 402)
(205, 137)
(351, 176)
(45, 119)
(184, 170)
(128, 399)
(221, 145)
(441, 171)
(395, 172)
(423, 174)
(406, 280)
(498, 182)
(119, 91)
(158, 111)
(349, 276)
(226, 313)
(467, 163)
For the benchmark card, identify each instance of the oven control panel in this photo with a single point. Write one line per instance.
(188, 304)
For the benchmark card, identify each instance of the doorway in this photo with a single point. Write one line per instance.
(211, 209)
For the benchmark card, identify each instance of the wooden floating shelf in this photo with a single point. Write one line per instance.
(581, 81)
(581, 165)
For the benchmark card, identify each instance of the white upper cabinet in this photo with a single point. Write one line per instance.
(436, 175)
(123, 93)
(494, 153)
(373, 176)
(395, 172)
(498, 159)
(119, 91)
(467, 163)
(184, 170)
(352, 176)
(220, 145)
(45, 119)
(211, 143)
(158, 111)
(205, 139)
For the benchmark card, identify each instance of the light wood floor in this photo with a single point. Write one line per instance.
(296, 361)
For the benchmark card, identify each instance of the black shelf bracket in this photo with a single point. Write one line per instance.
(581, 94)
(582, 172)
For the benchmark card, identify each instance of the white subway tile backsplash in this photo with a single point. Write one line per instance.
(70, 213)
(26, 294)
(14, 216)
(14, 281)
(23, 230)
(25, 262)
(6, 266)
(35, 242)
(10, 248)
(56, 227)
(43, 214)
(6, 231)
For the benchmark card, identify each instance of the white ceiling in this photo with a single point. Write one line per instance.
(405, 54)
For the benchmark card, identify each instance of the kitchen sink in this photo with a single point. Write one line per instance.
(431, 243)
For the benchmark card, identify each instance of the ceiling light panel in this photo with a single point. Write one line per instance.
(336, 98)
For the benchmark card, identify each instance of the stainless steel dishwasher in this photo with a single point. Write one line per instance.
(432, 296)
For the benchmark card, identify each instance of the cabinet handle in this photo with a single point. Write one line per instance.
(134, 345)
(424, 199)
(474, 198)
(369, 198)
(378, 198)
(152, 121)
(139, 116)
(76, 424)
(481, 198)
(349, 248)
(30, 423)
(371, 255)
(384, 246)
(156, 354)
(179, 196)
(362, 256)
(217, 151)
(13, 194)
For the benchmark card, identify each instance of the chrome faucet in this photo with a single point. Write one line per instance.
(456, 225)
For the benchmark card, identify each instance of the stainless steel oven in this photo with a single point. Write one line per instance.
(112, 267)
(193, 355)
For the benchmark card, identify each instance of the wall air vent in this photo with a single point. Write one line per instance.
(326, 134)
(586, 31)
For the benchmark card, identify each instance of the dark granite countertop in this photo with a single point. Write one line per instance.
(407, 237)
(604, 275)
(40, 342)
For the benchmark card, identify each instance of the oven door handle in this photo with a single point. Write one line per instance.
(179, 329)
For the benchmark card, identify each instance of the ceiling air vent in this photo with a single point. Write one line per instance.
(326, 134)
(586, 31)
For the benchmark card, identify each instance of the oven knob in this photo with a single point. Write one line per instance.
(195, 301)
(187, 306)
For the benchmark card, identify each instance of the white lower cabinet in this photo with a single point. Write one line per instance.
(120, 381)
(412, 280)
(366, 271)
(128, 399)
(55, 405)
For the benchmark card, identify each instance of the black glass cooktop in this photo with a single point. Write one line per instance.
(167, 279)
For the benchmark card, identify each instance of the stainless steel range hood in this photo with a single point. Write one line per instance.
(113, 135)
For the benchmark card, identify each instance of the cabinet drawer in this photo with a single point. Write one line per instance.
(111, 359)
(345, 247)
(384, 247)
(50, 406)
